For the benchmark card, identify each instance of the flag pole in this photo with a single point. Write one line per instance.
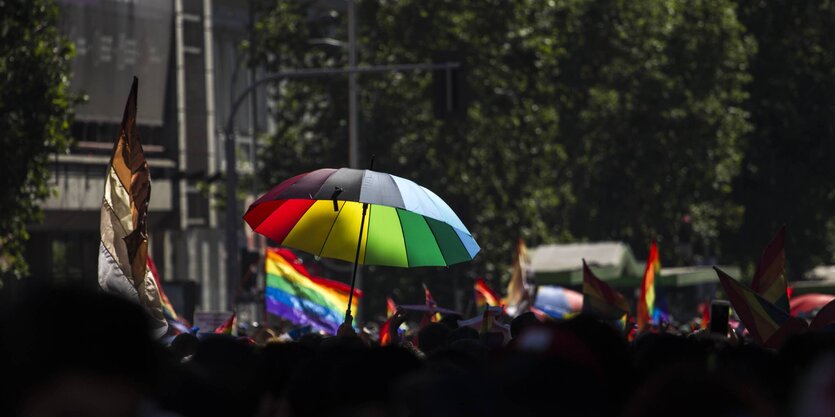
(348, 317)
(356, 264)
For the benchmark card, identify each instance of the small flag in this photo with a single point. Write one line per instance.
(385, 332)
(434, 317)
(600, 300)
(228, 327)
(391, 307)
(485, 295)
(770, 279)
(518, 299)
(175, 322)
(646, 301)
(486, 323)
(762, 318)
(123, 250)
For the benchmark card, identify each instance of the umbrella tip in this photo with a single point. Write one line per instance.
(371, 165)
(336, 192)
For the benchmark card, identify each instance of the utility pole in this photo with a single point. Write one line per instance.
(353, 139)
(233, 218)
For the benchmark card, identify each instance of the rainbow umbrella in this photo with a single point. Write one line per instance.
(362, 216)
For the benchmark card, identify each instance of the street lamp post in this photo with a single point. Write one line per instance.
(232, 214)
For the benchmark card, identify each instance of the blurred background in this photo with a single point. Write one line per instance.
(706, 125)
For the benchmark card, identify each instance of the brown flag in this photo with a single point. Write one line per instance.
(123, 251)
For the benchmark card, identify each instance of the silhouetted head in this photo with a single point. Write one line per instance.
(432, 337)
(184, 345)
(76, 352)
(451, 320)
(462, 333)
(522, 322)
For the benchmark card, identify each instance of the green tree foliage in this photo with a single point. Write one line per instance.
(586, 119)
(651, 109)
(789, 165)
(35, 103)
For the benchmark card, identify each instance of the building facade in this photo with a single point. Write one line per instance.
(186, 55)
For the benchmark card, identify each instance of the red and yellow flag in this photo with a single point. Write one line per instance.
(176, 323)
(484, 295)
(770, 279)
(600, 300)
(434, 317)
(385, 332)
(228, 327)
(646, 301)
(391, 307)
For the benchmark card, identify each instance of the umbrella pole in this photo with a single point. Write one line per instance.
(356, 264)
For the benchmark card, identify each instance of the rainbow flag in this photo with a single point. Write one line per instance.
(600, 300)
(228, 327)
(298, 296)
(770, 279)
(176, 324)
(762, 318)
(485, 295)
(385, 332)
(646, 301)
(433, 316)
(391, 307)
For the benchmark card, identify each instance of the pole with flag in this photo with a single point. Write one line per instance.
(123, 251)
(432, 314)
(767, 323)
(770, 279)
(518, 297)
(485, 295)
(600, 300)
(228, 326)
(646, 302)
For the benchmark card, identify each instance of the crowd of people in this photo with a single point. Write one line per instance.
(67, 352)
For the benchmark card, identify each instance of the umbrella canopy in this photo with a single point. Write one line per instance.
(807, 304)
(320, 212)
(558, 302)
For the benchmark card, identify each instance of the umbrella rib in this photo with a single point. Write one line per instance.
(438, 244)
(324, 242)
(403, 233)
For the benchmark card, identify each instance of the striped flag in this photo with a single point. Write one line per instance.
(228, 327)
(298, 296)
(600, 300)
(518, 299)
(391, 307)
(385, 332)
(123, 251)
(432, 315)
(766, 322)
(646, 301)
(175, 322)
(485, 295)
(770, 279)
